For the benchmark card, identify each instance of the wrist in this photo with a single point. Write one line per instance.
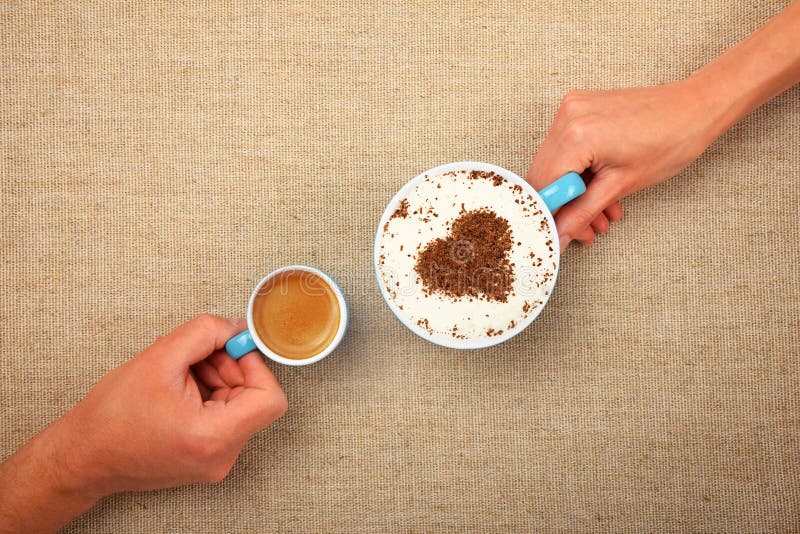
(719, 105)
(712, 107)
(40, 489)
(759, 67)
(75, 471)
(691, 120)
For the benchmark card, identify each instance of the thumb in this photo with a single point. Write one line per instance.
(195, 340)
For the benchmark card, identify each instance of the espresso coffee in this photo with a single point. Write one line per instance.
(296, 314)
(467, 254)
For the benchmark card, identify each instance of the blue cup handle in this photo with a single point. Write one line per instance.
(240, 344)
(568, 187)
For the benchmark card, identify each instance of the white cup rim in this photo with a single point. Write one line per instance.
(440, 339)
(344, 316)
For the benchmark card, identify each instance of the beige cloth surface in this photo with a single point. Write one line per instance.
(159, 158)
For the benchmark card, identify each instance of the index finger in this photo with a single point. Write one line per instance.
(256, 373)
(555, 159)
(261, 402)
(534, 175)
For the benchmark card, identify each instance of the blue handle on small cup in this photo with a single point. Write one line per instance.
(568, 187)
(240, 344)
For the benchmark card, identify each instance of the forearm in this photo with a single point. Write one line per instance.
(755, 70)
(39, 490)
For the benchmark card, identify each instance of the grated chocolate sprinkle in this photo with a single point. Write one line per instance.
(473, 261)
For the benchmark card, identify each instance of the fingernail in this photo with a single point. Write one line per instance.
(239, 322)
(563, 241)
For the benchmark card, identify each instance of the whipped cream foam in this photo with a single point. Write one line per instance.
(426, 215)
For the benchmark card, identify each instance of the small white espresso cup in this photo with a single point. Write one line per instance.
(249, 340)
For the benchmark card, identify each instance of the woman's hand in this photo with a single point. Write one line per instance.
(620, 141)
(625, 140)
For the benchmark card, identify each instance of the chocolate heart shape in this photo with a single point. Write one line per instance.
(472, 260)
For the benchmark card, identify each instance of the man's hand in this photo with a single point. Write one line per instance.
(179, 412)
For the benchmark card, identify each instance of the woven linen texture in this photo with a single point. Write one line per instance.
(158, 158)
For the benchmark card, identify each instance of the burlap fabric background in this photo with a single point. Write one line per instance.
(158, 159)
